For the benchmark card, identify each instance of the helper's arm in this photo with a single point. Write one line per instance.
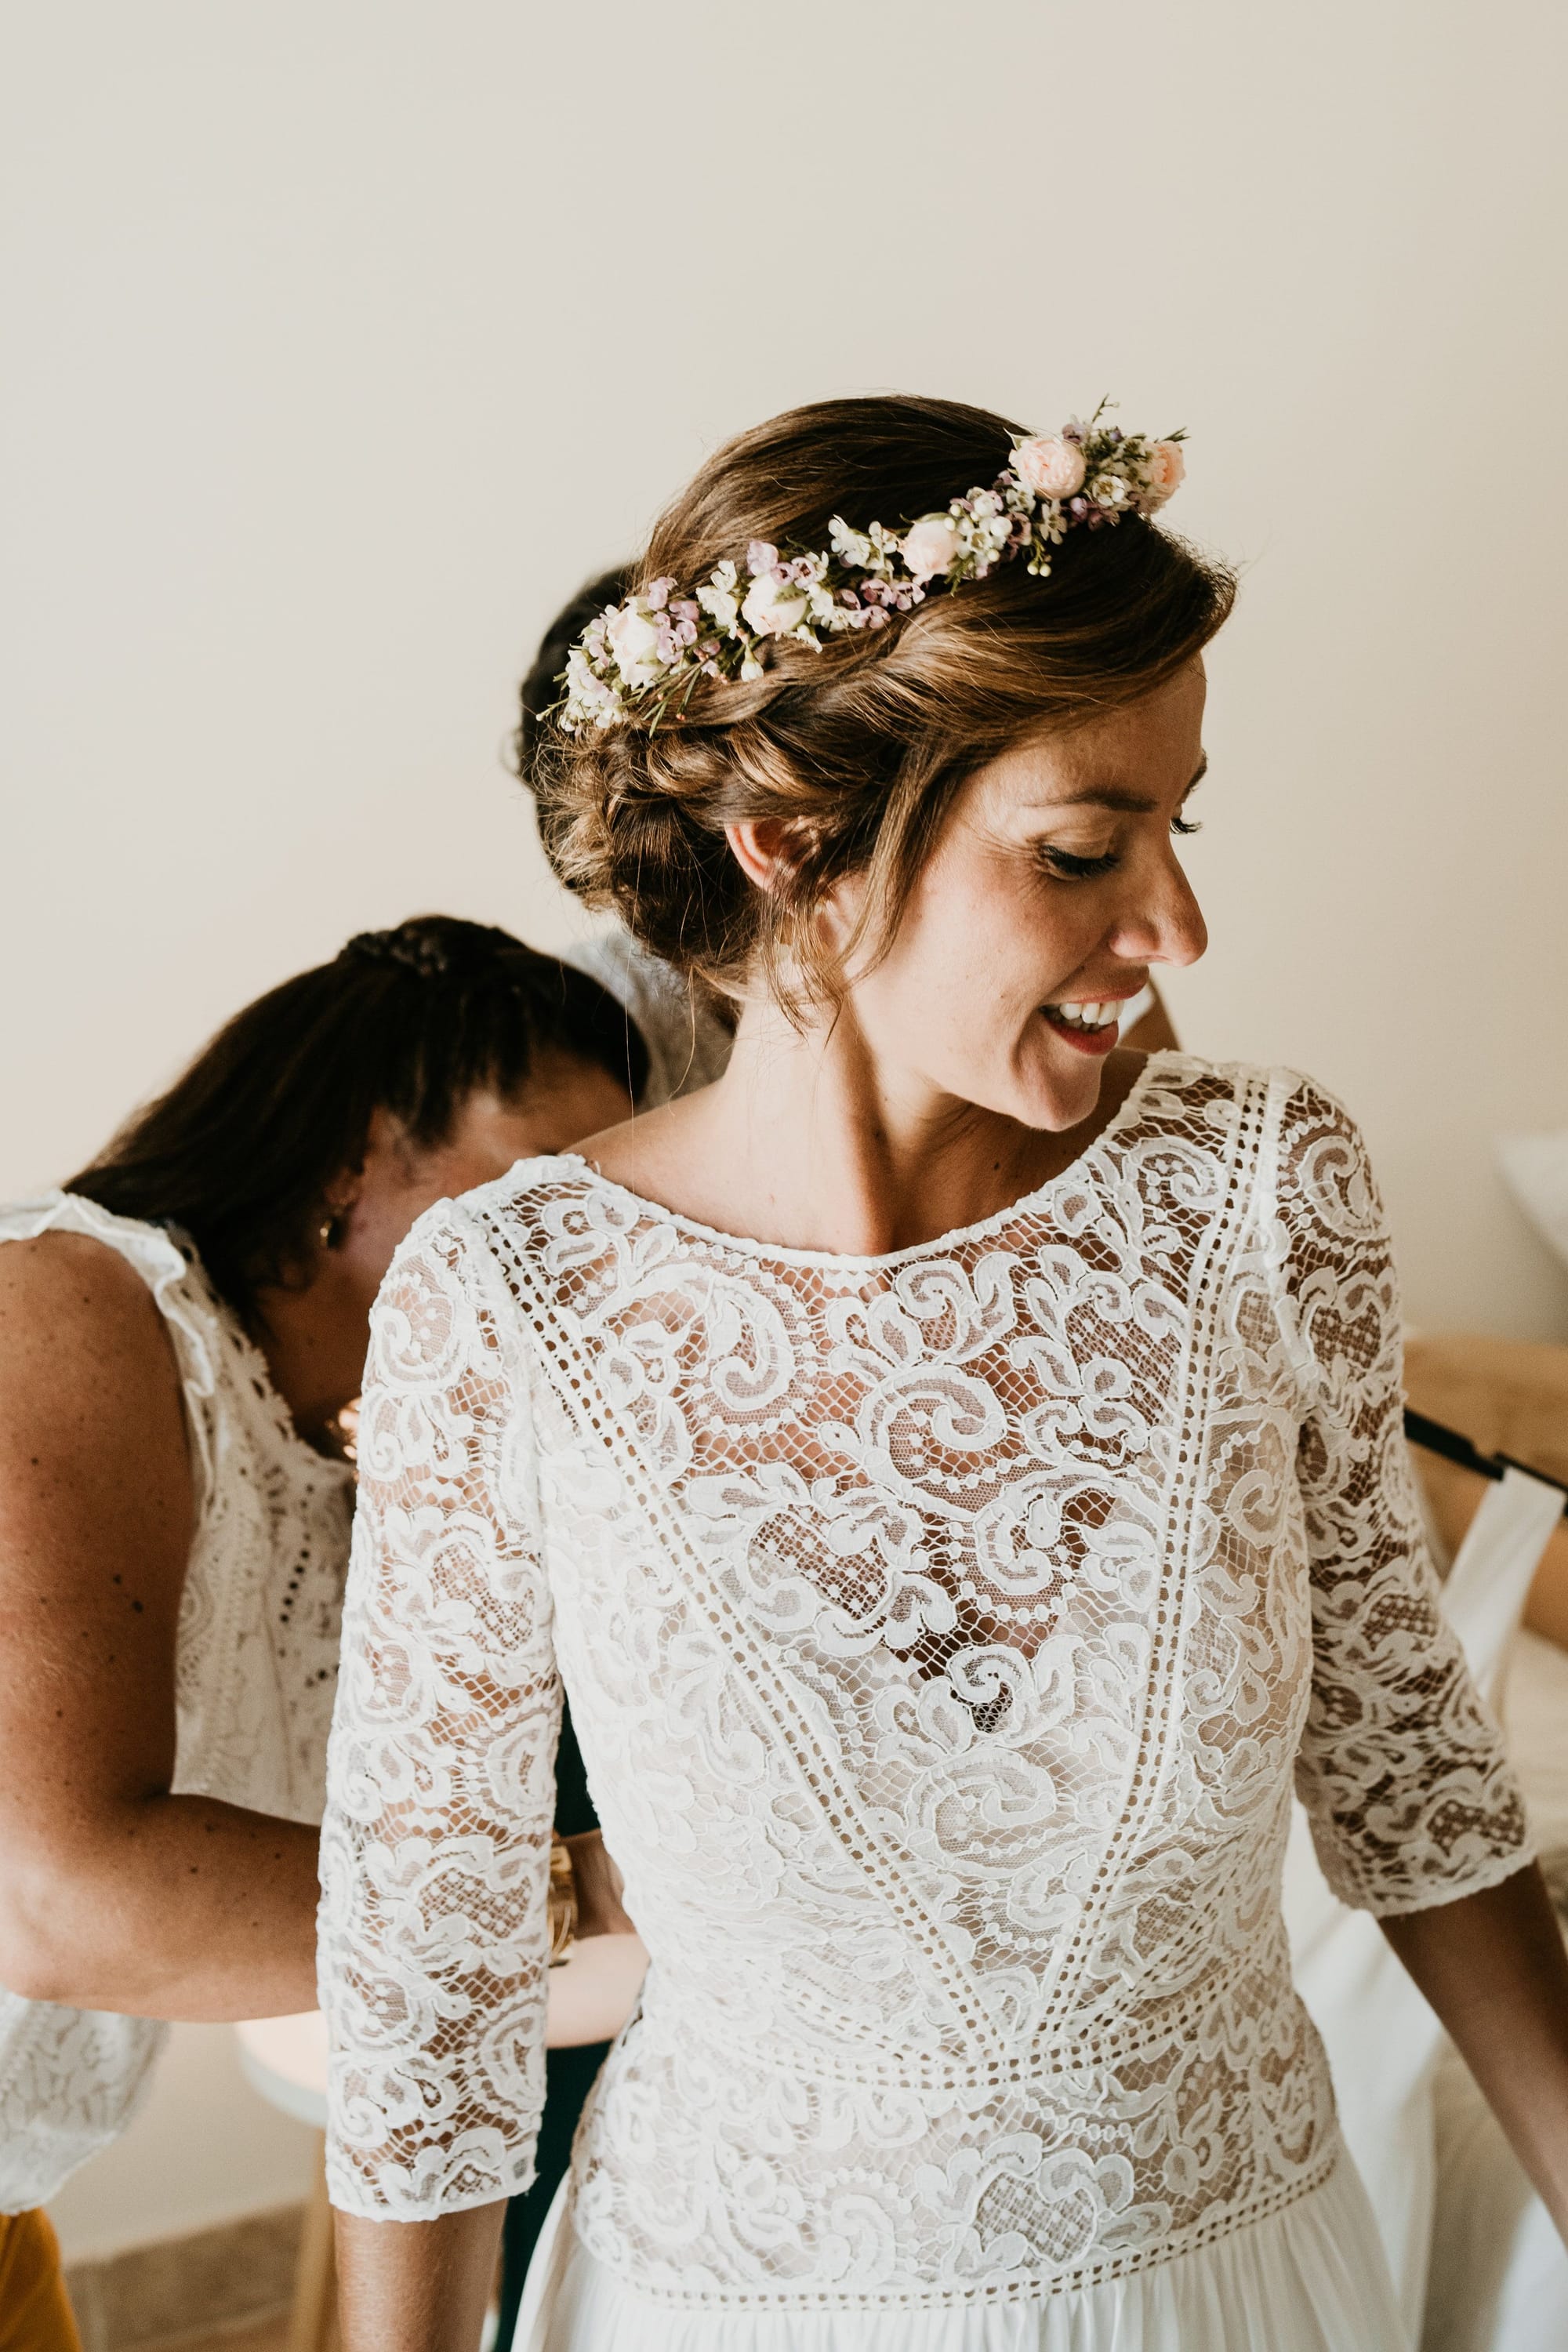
(113, 1894)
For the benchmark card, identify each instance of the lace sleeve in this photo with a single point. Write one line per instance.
(434, 1847)
(1401, 1767)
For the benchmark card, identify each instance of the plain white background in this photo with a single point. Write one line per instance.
(345, 340)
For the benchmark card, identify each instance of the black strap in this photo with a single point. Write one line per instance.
(1436, 1439)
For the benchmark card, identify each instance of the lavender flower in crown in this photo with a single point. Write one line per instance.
(638, 653)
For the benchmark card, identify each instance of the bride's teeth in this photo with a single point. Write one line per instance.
(1088, 1015)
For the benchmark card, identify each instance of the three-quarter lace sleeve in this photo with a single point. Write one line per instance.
(435, 1849)
(1401, 1767)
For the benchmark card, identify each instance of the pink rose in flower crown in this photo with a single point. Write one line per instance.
(1166, 470)
(930, 546)
(1050, 466)
(773, 605)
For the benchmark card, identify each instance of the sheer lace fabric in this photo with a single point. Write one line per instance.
(943, 1632)
(255, 1669)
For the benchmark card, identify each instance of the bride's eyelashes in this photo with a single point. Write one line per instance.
(1066, 866)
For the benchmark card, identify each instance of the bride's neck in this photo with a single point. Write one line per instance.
(832, 1149)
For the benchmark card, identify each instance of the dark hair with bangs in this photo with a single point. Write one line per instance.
(861, 747)
(240, 1150)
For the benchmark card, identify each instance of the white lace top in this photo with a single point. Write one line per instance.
(944, 1633)
(256, 1669)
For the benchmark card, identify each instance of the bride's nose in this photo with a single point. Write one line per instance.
(1166, 925)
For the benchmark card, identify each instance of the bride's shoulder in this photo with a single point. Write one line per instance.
(562, 1207)
(529, 1190)
(1278, 1102)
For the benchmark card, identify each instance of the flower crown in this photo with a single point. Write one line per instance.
(1086, 474)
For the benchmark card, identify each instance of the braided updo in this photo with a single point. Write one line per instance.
(860, 747)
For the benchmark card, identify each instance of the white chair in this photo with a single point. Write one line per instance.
(285, 2060)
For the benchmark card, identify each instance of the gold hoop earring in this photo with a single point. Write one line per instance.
(330, 1231)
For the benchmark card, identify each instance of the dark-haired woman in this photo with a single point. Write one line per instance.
(955, 1466)
(180, 1328)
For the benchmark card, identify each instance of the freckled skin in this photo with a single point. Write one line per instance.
(96, 1521)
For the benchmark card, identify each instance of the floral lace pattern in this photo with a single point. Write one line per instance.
(944, 1633)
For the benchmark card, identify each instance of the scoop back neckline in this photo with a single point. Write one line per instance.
(849, 1261)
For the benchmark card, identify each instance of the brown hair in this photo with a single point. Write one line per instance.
(861, 747)
(241, 1148)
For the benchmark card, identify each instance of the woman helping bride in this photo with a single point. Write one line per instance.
(953, 1464)
(180, 1329)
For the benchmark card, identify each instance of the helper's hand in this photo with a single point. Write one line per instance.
(599, 1884)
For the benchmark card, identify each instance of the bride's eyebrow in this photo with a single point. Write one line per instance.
(1117, 796)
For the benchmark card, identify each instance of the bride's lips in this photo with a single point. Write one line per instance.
(1096, 1042)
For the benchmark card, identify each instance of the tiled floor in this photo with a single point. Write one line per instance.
(194, 2294)
(270, 2336)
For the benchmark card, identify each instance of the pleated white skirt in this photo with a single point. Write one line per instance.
(1310, 2279)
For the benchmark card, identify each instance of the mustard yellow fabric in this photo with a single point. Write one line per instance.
(35, 2311)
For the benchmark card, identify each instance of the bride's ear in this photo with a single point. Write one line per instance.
(772, 852)
(764, 848)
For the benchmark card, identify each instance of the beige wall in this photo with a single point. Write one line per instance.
(350, 336)
(203, 2149)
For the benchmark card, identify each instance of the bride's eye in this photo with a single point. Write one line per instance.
(1067, 868)
(1186, 825)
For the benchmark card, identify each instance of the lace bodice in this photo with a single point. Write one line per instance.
(943, 1632)
(255, 1666)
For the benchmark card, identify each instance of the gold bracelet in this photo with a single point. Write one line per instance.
(561, 1902)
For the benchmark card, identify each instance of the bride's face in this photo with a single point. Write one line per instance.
(1052, 895)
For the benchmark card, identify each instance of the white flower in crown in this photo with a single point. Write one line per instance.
(641, 636)
(775, 605)
(852, 548)
(774, 608)
(634, 639)
(589, 692)
(719, 597)
(929, 546)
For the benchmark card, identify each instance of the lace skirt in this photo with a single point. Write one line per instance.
(1312, 2278)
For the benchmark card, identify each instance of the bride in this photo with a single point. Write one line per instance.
(955, 1466)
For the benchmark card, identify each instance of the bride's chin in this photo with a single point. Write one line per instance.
(1060, 1098)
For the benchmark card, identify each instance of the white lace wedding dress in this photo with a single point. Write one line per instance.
(944, 1632)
